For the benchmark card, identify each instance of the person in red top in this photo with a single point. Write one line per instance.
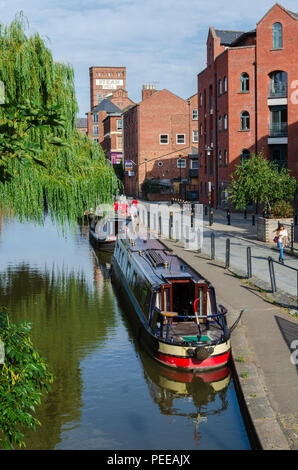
(134, 202)
(116, 206)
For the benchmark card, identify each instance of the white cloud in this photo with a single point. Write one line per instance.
(160, 41)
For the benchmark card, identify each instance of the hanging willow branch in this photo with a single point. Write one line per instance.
(44, 162)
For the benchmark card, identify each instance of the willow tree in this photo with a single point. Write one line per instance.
(44, 162)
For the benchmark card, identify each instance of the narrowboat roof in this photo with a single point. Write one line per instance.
(159, 263)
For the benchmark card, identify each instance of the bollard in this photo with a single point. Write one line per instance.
(248, 256)
(159, 226)
(229, 217)
(211, 217)
(227, 253)
(171, 225)
(253, 220)
(292, 238)
(205, 208)
(272, 274)
(212, 246)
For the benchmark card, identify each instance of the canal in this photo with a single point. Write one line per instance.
(107, 393)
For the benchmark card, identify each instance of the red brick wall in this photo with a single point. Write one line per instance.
(161, 113)
(286, 60)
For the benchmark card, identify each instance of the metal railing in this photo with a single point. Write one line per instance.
(278, 129)
(278, 90)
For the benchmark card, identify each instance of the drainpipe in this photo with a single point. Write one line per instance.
(256, 103)
(215, 138)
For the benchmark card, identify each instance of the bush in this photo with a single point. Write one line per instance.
(23, 378)
(281, 209)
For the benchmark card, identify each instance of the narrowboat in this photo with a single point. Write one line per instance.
(174, 308)
(103, 231)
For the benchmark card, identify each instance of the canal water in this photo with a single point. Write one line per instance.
(107, 393)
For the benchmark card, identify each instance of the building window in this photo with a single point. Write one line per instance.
(95, 117)
(119, 123)
(194, 164)
(210, 54)
(225, 121)
(98, 74)
(95, 130)
(244, 155)
(119, 142)
(160, 164)
(220, 158)
(99, 97)
(180, 138)
(109, 74)
(195, 136)
(225, 84)
(195, 115)
(244, 121)
(181, 163)
(226, 158)
(201, 129)
(219, 123)
(278, 84)
(220, 87)
(201, 188)
(244, 82)
(164, 139)
(201, 99)
(277, 36)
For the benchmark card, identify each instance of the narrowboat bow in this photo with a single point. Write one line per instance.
(173, 306)
(103, 231)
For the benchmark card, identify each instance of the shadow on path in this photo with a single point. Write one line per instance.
(289, 331)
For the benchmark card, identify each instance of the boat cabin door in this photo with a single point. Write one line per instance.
(166, 297)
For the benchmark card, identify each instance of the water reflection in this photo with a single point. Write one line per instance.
(107, 393)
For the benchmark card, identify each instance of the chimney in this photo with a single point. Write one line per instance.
(148, 90)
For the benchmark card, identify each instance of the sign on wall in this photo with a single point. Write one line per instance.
(108, 84)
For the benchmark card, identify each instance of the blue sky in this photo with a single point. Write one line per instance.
(159, 41)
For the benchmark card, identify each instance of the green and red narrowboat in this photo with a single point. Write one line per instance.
(173, 306)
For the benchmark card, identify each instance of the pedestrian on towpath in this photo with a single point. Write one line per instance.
(281, 239)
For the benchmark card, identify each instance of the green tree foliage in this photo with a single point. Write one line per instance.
(258, 181)
(44, 161)
(23, 379)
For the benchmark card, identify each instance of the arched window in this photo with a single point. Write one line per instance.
(219, 158)
(219, 123)
(225, 121)
(245, 154)
(277, 36)
(244, 82)
(278, 84)
(226, 158)
(244, 121)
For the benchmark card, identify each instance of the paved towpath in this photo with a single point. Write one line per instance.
(262, 346)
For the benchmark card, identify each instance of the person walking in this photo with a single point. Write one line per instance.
(281, 239)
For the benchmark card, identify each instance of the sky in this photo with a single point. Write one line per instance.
(162, 42)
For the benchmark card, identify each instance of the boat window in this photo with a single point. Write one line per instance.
(209, 305)
(166, 299)
(105, 228)
(128, 270)
(134, 279)
(158, 300)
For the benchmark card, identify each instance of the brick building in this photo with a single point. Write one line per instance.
(160, 141)
(81, 125)
(247, 97)
(108, 96)
(112, 131)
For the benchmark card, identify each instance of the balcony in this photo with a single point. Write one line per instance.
(277, 94)
(278, 133)
(278, 90)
